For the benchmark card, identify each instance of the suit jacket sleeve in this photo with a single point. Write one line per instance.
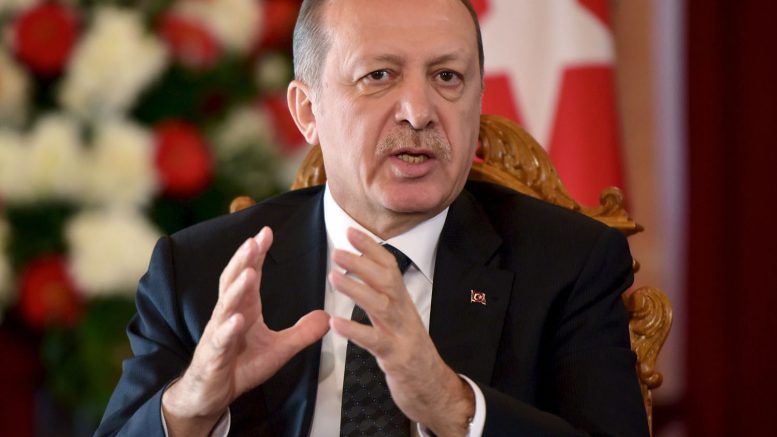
(591, 386)
(159, 353)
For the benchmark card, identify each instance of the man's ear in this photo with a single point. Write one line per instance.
(300, 104)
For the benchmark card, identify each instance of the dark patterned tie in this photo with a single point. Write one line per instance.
(368, 409)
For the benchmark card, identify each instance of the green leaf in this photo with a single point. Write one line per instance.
(83, 364)
(36, 230)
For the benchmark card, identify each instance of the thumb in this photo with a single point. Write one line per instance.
(308, 329)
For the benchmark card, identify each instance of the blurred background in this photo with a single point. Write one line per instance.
(121, 121)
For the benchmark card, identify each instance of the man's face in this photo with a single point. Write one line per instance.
(398, 107)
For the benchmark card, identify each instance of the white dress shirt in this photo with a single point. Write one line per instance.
(420, 245)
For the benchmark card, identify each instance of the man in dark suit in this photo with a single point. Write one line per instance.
(504, 318)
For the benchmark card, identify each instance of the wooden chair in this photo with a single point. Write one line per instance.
(509, 156)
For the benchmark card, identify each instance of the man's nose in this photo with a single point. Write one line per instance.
(416, 105)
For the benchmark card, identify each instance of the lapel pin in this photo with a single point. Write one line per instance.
(477, 297)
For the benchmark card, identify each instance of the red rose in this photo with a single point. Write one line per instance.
(44, 37)
(189, 41)
(183, 160)
(284, 124)
(47, 294)
(278, 24)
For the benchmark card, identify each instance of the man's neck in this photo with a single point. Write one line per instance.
(389, 225)
(384, 224)
(419, 243)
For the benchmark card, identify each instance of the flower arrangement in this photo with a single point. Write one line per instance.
(118, 124)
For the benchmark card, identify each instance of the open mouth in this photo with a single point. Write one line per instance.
(412, 158)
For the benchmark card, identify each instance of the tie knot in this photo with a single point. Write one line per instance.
(403, 262)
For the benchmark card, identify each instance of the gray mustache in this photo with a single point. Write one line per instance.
(426, 139)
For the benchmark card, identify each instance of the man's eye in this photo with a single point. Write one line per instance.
(378, 75)
(449, 78)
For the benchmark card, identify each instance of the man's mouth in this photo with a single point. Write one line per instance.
(411, 158)
(414, 147)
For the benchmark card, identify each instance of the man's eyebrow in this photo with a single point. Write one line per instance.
(398, 60)
(447, 57)
(392, 59)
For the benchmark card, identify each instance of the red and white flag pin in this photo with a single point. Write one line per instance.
(477, 297)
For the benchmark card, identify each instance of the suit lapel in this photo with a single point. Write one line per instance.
(467, 333)
(293, 285)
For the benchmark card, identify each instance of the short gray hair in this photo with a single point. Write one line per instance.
(311, 41)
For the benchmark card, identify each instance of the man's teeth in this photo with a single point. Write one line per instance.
(412, 159)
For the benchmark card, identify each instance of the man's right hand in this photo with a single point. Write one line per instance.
(237, 350)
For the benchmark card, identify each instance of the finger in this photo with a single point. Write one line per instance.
(364, 268)
(235, 297)
(227, 333)
(373, 302)
(238, 262)
(386, 280)
(370, 249)
(367, 337)
(218, 346)
(251, 253)
(308, 329)
(263, 241)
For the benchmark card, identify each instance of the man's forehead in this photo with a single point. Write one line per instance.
(377, 25)
(344, 15)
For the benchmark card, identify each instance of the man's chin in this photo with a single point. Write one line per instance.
(422, 204)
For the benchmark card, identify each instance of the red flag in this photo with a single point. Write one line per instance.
(549, 66)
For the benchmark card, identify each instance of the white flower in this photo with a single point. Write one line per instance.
(109, 250)
(234, 23)
(245, 148)
(121, 165)
(291, 164)
(14, 91)
(115, 61)
(5, 269)
(14, 181)
(244, 127)
(55, 159)
(273, 72)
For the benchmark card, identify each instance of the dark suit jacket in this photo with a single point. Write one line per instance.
(550, 349)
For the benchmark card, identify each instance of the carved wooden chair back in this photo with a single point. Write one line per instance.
(509, 156)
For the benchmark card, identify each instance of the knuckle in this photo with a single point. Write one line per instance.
(382, 306)
(223, 280)
(386, 278)
(382, 346)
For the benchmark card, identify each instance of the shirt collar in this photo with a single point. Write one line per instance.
(418, 243)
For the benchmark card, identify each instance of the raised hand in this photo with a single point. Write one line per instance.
(237, 350)
(421, 384)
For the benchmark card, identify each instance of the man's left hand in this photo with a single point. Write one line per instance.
(422, 385)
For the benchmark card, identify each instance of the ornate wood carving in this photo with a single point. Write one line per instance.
(240, 202)
(509, 156)
(505, 147)
(311, 172)
(650, 319)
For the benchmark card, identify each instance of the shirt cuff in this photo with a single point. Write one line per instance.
(477, 422)
(220, 430)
